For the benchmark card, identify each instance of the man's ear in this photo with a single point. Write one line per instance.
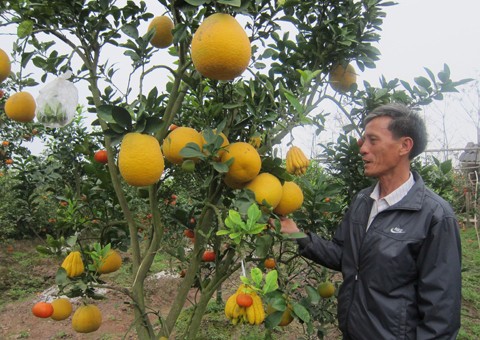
(407, 145)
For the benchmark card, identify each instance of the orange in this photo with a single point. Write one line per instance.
(101, 156)
(87, 319)
(326, 289)
(42, 309)
(140, 159)
(21, 107)
(287, 317)
(177, 140)
(246, 162)
(220, 48)
(341, 78)
(163, 36)
(244, 300)
(291, 200)
(269, 263)
(266, 187)
(62, 309)
(5, 66)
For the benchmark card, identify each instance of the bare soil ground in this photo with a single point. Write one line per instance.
(17, 321)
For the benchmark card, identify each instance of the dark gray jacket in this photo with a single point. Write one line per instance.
(402, 277)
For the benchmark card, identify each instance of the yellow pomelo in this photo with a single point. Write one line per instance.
(177, 140)
(87, 319)
(111, 263)
(292, 199)
(62, 309)
(21, 107)
(266, 187)
(341, 79)
(5, 66)
(246, 162)
(140, 159)
(220, 48)
(163, 36)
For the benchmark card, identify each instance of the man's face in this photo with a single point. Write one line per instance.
(381, 152)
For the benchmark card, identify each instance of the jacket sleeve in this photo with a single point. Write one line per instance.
(327, 253)
(439, 283)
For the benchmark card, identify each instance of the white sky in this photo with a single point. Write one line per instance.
(426, 33)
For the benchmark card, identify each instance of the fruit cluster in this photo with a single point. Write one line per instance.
(297, 162)
(245, 306)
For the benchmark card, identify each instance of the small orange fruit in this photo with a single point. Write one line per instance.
(42, 309)
(326, 289)
(101, 156)
(269, 263)
(244, 300)
(208, 256)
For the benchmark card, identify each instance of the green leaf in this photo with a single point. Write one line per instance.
(313, 295)
(222, 232)
(301, 312)
(122, 117)
(234, 218)
(61, 276)
(104, 112)
(130, 30)
(256, 275)
(236, 3)
(295, 102)
(254, 213)
(191, 150)
(271, 283)
(220, 167)
(25, 29)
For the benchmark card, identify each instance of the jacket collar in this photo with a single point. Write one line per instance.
(414, 198)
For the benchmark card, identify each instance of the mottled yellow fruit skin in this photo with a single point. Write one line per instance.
(292, 199)
(140, 159)
(5, 66)
(163, 36)
(87, 319)
(111, 263)
(220, 48)
(177, 140)
(62, 309)
(21, 107)
(266, 187)
(246, 162)
(341, 79)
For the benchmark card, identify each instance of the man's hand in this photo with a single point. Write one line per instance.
(287, 225)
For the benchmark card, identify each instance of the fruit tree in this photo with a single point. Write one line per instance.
(234, 77)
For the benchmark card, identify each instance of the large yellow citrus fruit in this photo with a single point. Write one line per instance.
(177, 140)
(5, 66)
(326, 289)
(291, 200)
(220, 48)
(140, 159)
(266, 187)
(21, 107)
(111, 263)
(341, 79)
(246, 162)
(87, 319)
(62, 309)
(163, 36)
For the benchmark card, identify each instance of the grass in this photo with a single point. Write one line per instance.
(470, 286)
